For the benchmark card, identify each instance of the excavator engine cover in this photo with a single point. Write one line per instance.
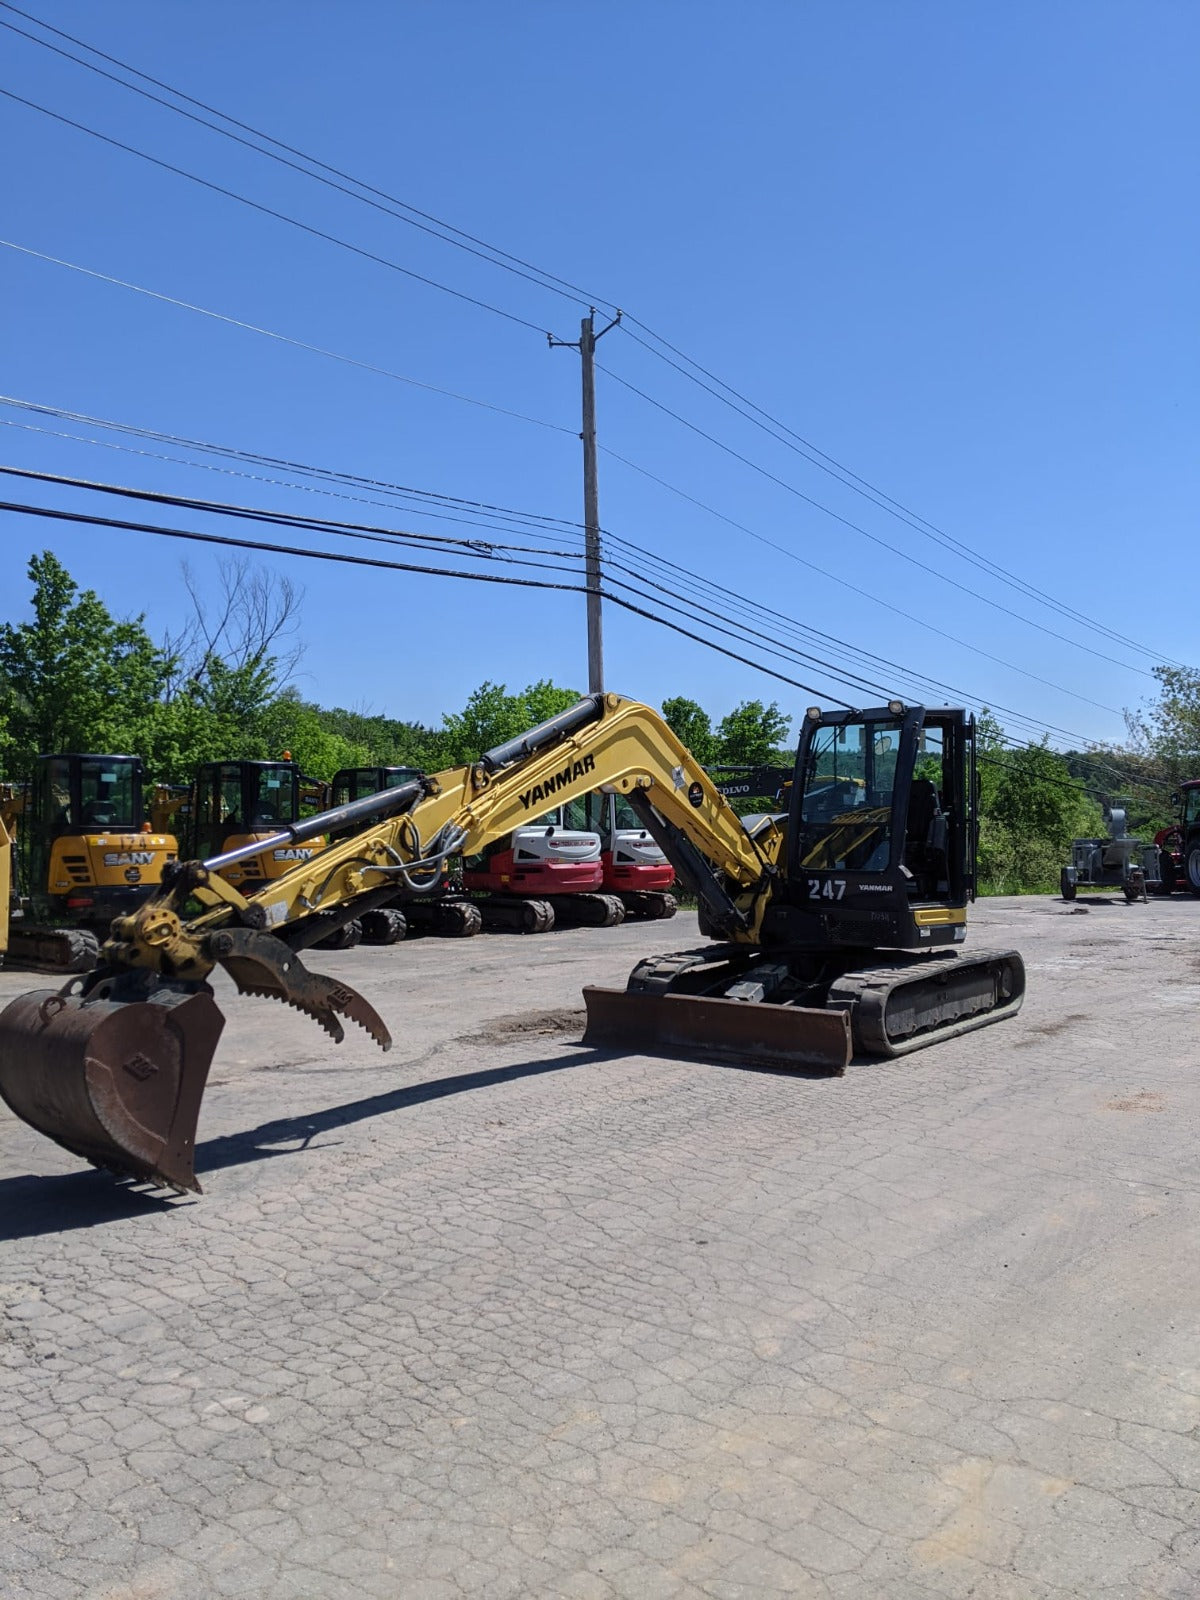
(116, 1082)
(739, 1032)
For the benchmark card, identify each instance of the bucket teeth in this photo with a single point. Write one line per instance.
(260, 964)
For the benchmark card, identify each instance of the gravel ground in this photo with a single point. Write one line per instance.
(495, 1315)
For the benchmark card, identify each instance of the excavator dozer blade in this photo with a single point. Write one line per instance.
(116, 1082)
(738, 1032)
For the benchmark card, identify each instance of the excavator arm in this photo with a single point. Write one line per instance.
(404, 836)
(114, 1066)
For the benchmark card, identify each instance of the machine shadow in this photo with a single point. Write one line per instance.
(31, 1205)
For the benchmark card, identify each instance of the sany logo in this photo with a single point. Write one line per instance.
(129, 858)
(295, 852)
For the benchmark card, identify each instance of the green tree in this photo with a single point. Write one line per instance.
(692, 725)
(1030, 810)
(291, 724)
(75, 677)
(753, 735)
(1167, 733)
(492, 715)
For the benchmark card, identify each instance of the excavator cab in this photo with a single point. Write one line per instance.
(239, 803)
(881, 830)
(355, 783)
(87, 852)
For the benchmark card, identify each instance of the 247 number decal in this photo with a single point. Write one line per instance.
(827, 889)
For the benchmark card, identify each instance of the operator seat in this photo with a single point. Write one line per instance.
(925, 840)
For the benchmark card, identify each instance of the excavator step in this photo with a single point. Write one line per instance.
(116, 1082)
(739, 1032)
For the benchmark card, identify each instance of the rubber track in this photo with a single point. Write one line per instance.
(869, 993)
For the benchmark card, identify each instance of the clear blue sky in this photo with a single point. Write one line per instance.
(954, 246)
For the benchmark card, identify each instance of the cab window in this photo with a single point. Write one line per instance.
(846, 797)
(106, 795)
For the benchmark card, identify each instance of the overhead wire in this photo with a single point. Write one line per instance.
(281, 338)
(484, 549)
(405, 212)
(787, 436)
(856, 527)
(718, 620)
(640, 552)
(128, 525)
(271, 211)
(265, 547)
(653, 342)
(282, 463)
(855, 588)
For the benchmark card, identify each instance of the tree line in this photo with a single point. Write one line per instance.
(75, 677)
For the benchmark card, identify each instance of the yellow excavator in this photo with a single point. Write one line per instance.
(837, 926)
(79, 851)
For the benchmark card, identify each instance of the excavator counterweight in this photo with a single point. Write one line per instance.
(838, 925)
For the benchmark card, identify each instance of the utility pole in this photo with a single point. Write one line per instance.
(586, 345)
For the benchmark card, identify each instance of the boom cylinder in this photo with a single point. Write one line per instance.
(384, 804)
(589, 709)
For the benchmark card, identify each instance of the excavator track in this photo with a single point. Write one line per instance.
(446, 918)
(589, 910)
(503, 913)
(51, 950)
(383, 927)
(724, 1005)
(909, 1003)
(650, 905)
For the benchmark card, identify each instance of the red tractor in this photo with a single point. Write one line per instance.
(1180, 843)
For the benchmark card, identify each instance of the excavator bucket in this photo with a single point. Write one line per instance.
(116, 1082)
(739, 1032)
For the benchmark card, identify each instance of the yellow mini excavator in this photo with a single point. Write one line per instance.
(836, 926)
(83, 853)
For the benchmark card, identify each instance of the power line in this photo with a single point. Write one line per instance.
(482, 549)
(654, 343)
(855, 589)
(788, 437)
(449, 234)
(281, 338)
(262, 547)
(270, 211)
(276, 519)
(639, 552)
(283, 463)
(738, 631)
(855, 527)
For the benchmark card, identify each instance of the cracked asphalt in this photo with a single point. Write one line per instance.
(495, 1315)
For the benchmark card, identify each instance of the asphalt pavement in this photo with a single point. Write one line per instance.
(498, 1315)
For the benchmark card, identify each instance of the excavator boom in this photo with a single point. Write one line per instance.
(113, 1067)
